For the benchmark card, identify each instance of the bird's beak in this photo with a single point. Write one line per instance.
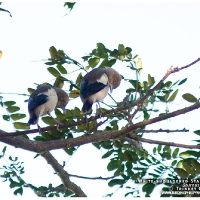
(111, 89)
(64, 110)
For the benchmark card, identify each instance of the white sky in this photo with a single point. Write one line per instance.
(163, 34)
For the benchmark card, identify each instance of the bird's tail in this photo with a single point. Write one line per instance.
(87, 106)
(33, 120)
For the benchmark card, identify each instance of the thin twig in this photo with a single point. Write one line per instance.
(132, 136)
(95, 178)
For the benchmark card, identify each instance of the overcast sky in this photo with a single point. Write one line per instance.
(163, 34)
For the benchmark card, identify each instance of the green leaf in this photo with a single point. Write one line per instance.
(129, 165)
(128, 156)
(181, 172)
(197, 132)
(121, 49)
(30, 90)
(9, 103)
(174, 162)
(85, 58)
(20, 125)
(113, 164)
(74, 94)
(183, 81)
(168, 84)
(173, 96)
(148, 188)
(17, 116)
(175, 153)
(93, 62)
(190, 98)
(70, 5)
(53, 71)
(190, 153)
(116, 182)
(151, 80)
(6, 117)
(78, 80)
(108, 153)
(61, 69)
(13, 109)
(159, 148)
(18, 191)
(196, 164)
(48, 120)
(189, 168)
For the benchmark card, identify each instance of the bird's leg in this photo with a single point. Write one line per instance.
(39, 128)
(99, 108)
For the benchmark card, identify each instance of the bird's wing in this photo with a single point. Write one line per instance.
(89, 89)
(36, 101)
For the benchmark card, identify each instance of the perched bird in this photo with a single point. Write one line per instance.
(95, 86)
(44, 100)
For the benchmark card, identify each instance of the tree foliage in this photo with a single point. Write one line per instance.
(119, 129)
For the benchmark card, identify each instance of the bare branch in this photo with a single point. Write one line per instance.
(64, 176)
(94, 178)
(96, 126)
(132, 136)
(160, 130)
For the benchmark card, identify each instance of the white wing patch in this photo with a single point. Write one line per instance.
(103, 79)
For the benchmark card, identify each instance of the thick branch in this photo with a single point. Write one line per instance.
(132, 136)
(64, 176)
(38, 147)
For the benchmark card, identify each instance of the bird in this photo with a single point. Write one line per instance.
(43, 101)
(95, 86)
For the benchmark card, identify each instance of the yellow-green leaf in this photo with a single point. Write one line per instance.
(151, 80)
(30, 90)
(74, 94)
(173, 96)
(61, 69)
(181, 172)
(189, 168)
(9, 103)
(139, 66)
(13, 109)
(93, 62)
(17, 116)
(53, 52)
(58, 83)
(190, 98)
(20, 125)
(48, 120)
(53, 71)
(196, 164)
(78, 79)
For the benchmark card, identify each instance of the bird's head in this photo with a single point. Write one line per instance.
(114, 78)
(63, 98)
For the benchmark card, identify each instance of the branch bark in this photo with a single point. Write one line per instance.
(132, 136)
(39, 147)
(64, 176)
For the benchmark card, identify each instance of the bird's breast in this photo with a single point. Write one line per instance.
(99, 95)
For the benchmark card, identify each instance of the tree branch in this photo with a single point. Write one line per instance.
(132, 136)
(160, 130)
(64, 176)
(38, 147)
(94, 178)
